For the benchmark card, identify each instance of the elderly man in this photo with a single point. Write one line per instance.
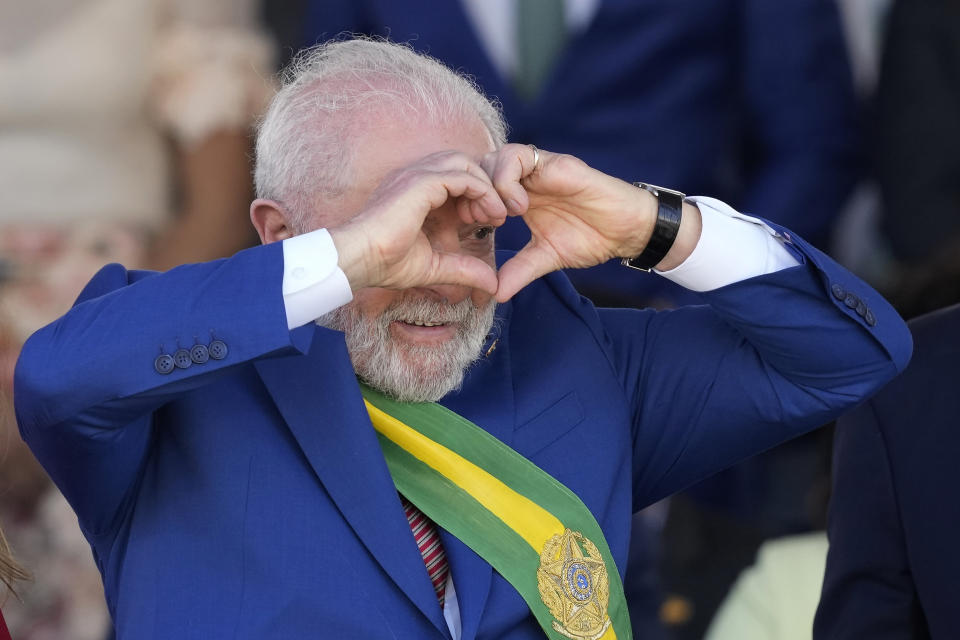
(235, 480)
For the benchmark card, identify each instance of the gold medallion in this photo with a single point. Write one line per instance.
(573, 583)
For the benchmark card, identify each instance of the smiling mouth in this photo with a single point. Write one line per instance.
(424, 331)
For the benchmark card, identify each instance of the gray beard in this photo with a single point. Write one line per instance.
(413, 373)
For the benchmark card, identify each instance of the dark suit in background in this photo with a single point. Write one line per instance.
(748, 101)
(893, 568)
(918, 167)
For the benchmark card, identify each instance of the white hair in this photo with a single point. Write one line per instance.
(303, 147)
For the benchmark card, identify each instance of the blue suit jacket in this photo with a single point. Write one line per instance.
(248, 497)
(750, 101)
(893, 562)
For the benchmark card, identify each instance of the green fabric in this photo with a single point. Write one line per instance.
(474, 525)
(454, 509)
(541, 36)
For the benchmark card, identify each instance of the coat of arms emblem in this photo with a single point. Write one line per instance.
(573, 583)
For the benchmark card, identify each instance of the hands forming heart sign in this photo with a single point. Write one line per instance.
(578, 217)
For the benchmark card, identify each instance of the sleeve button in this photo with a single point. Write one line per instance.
(869, 318)
(838, 292)
(199, 353)
(181, 358)
(218, 349)
(163, 364)
(851, 301)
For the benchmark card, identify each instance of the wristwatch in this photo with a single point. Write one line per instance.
(669, 212)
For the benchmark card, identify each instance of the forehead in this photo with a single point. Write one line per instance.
(385, 142)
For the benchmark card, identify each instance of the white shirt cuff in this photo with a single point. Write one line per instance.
(313, 284)
(732, 247)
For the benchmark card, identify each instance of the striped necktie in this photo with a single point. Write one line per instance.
(428, 540)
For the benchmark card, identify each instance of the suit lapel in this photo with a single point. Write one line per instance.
(319, 399)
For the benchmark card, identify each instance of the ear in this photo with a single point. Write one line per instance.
(271, 220)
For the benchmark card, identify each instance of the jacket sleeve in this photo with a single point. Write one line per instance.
(86, 386)
(767, 359)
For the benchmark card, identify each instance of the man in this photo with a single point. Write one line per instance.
(229, 475)
(892, 565)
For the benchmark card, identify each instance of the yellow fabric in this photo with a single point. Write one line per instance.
(531, 521)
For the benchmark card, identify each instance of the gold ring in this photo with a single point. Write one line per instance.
(536, 157)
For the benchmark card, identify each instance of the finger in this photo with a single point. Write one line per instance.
(455, 161)
(493, 220)
(451, 163)
(466, 210)
(472, 212)
(485, 203)
(530, 263)
(440, 187)
(505, 170)
(459, 269)
(507, 167)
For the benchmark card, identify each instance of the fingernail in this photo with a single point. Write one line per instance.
(513, 205)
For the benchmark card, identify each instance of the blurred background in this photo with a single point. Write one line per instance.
(125, 136)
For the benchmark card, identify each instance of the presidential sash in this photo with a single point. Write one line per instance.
(530, 527)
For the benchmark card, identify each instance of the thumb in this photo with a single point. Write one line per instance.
(531, 262)
(458, 269)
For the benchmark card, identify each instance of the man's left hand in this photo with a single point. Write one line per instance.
(578, 217)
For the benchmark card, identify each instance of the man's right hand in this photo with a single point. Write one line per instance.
(384, 245)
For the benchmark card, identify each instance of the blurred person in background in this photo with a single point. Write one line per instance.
(776, 597)
(918, 166)
(893, 563)
(761, 90)
(752, 101)
(891, 571)
(123, 138)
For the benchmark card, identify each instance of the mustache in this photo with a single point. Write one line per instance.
(420, 310)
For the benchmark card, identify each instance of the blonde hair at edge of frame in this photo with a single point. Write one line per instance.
(10, 571)
(303, 150)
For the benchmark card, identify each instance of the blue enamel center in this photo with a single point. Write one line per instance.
(578, 581)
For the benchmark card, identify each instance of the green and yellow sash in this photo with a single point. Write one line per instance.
(531, 528)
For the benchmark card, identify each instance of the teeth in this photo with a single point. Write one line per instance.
(417, 323)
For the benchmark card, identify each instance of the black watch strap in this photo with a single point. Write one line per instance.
(669, 212)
